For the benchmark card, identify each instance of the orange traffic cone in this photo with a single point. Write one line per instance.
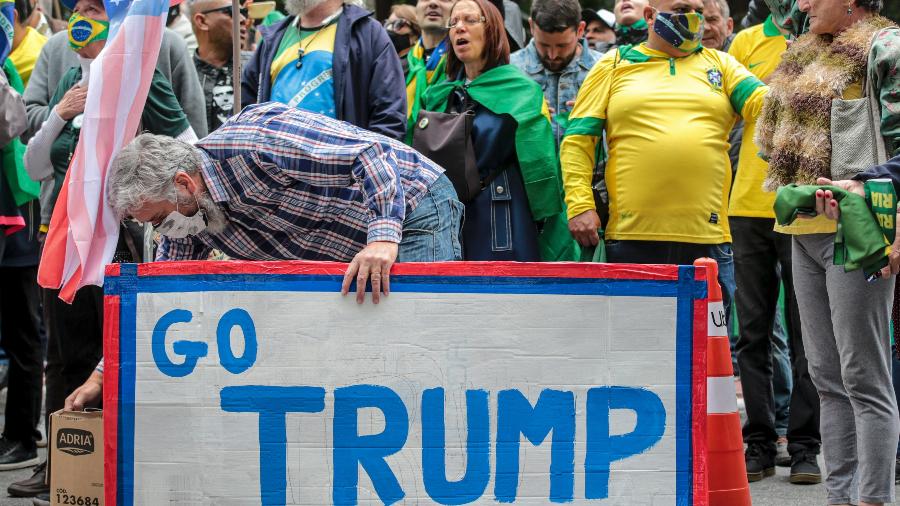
(725, 447)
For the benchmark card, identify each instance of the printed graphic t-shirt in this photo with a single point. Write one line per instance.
(311, 86)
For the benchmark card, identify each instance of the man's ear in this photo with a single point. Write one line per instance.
(579, 32)
(200, 22)
(649, 14)
(186, 182)
(730, 26)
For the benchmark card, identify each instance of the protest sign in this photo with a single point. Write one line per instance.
(240, 383)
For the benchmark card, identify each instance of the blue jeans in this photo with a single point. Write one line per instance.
(431, 231)
(782, 381)
(724, 256)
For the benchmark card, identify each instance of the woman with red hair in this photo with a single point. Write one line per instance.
(519, 214)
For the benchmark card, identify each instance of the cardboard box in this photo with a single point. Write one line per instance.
(76, 462)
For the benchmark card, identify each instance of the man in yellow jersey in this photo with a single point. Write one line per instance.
(758, 252)
(666, 107)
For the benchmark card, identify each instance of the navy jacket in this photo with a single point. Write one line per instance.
(369, 87)
(889, 170)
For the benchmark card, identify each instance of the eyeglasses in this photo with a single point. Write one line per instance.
(397, 24)
(227, 10)
(468, 21)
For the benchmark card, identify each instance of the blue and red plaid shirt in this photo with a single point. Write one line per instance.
(297, 185)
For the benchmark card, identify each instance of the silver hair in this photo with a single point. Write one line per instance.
(145, 169)
(724, 8)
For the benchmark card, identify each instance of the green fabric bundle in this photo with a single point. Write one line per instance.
(859, 242)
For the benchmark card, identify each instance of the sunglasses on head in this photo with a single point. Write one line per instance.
(227, 10)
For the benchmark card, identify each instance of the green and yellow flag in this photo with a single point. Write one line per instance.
(505, 90)
(422, 74)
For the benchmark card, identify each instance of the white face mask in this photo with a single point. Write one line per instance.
(179, 226)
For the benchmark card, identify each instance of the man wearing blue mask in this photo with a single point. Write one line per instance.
(665, 107)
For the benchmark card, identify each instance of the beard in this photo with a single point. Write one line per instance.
(215, 217)
(300, 7)
(556, 65)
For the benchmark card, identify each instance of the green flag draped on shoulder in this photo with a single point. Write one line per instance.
(22, 187)
(505, 90)
(421, 75)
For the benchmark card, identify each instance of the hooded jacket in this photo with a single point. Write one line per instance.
(369, 87)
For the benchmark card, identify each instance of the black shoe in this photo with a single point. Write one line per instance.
(805, 469)
(760, 462)
(41, 500)
(14, 455)
(31, 486)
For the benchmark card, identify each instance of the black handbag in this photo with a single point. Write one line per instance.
(446, 139)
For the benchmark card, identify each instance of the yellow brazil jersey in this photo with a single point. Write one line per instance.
(758, 48)
(667, 122)
(25, 55)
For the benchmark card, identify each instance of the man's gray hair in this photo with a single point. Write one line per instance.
(145, 169)
(724, 8)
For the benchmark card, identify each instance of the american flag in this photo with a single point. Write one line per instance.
(84, 230)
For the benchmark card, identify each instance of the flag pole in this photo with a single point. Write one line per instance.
(236, 54)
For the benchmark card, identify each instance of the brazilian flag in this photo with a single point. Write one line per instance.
(22, 187)
(422, 74)
(505, 90)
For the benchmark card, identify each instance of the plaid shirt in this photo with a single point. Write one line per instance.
(297, 185)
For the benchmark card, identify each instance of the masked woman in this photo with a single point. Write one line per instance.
(519, 214)
(850, 55)
(75, 330)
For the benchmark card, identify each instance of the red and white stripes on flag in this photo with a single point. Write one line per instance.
(84, 230)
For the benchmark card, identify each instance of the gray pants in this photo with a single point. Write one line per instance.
(845, 325)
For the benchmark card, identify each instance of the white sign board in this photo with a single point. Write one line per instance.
(258, 383)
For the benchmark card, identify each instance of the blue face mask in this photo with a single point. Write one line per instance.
(681, 31)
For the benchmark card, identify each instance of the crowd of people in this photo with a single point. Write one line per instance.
(455, 130)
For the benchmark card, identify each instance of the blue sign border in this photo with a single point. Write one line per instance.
(127, 285)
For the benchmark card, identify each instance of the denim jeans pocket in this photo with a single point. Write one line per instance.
(417, 245)
(722, 253)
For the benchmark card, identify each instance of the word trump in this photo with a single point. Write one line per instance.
(552, 416)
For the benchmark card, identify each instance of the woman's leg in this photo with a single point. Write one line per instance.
(860, 315)
(837, 422)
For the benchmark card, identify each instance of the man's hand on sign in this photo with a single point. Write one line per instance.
(825, 202)
(72, 103)
(88, 394)
(374, 261)
(584, 228)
